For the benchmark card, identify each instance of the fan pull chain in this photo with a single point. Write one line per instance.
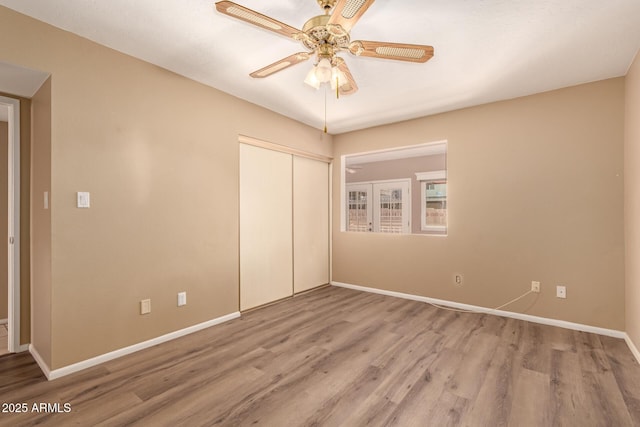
(325, 109)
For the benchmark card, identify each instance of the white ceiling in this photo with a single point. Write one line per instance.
(485, 50)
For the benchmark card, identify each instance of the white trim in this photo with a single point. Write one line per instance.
(243, 139)
(330, 236)
(70, 369)
(431, 176)
(527, 317)
(380, 181)
(632, 347)
(433, 228)
(13, 226)
(343, 195)
(43, 366)
(395, 153)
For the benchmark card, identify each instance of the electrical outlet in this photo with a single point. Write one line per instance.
(182, 298)
(535, 286)
(145, 306)
(561, 291)
(457, 279)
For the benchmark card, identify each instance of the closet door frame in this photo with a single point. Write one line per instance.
(243, 139)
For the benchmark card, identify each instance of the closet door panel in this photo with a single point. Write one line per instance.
(266, 256)
(310, 223)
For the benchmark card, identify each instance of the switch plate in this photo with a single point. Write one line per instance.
(84, 199)
(182, 298)
(145, 306)
(46, 200)
(458, 279)
(535, 286)
(561, 291)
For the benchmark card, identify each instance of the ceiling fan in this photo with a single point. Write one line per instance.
(325, 36)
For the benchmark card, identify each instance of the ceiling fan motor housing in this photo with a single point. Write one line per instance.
(318, 35)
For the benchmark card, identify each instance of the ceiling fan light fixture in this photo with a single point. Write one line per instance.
(311, 79)
(323, 70)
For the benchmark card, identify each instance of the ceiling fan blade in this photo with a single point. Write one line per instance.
(252, 17)
(350, 86)
(281, 65)
(347, 12)
(397, 51)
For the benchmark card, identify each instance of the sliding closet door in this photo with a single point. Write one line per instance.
(310, 223)
(266, 241)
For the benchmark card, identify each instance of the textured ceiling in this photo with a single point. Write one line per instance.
(485, 50)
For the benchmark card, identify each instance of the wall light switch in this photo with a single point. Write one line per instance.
(84, 199)
(145, 306)
(46, 200)
(182, 298)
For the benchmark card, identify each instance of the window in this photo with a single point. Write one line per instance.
(376, 196)
(382, 207)
(433, 196)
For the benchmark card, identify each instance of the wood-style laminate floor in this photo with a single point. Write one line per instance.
(337, 357)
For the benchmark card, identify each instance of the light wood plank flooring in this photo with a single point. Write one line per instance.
(337, 357)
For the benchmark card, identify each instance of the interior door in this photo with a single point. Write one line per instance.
(266, 236)
(359, 207)
(310, 223)
(391, 207)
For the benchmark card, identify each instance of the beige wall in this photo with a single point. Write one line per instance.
(4, 173)
(159, 154)
(535, 192)
(25, 171)
(41, 222)
(632, 200)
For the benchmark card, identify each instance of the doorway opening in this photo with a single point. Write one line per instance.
(10, 193)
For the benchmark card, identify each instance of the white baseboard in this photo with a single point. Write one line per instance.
(70, 369)
(520, 316)
(632, 347)
(43, 366)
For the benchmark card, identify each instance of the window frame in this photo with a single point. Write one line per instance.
(426, 178)
(348, 160)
